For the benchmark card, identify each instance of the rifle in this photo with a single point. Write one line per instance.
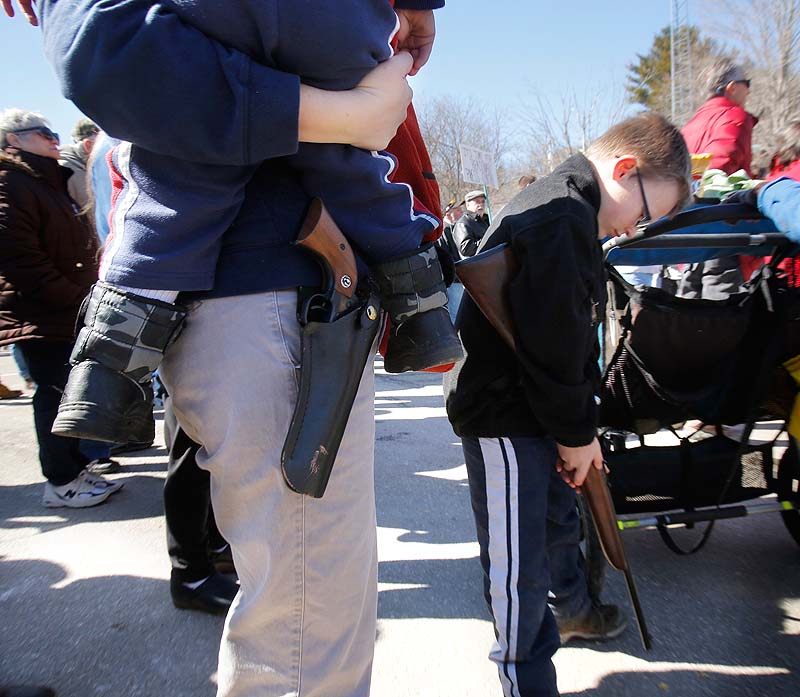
(486, 277)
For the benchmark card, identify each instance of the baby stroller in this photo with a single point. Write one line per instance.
(670, 360)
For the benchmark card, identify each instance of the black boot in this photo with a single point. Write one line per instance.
(109, 393)
(414, 294)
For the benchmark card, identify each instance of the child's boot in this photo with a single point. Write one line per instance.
(109, 394)
(414, 294)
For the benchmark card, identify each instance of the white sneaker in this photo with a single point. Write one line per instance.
(79, 493)
(100, 482)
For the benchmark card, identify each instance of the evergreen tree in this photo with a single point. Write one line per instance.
(649, 81)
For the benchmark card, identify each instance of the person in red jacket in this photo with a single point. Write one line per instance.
(723, 128)
(721, 125)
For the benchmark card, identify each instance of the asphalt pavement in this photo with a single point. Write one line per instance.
(85, 608)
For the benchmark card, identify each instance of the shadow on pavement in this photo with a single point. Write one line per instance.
(689, 683)
(432, 588)
(112, 635)
(141, 497)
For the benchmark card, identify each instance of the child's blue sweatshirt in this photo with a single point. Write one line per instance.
(208, 92)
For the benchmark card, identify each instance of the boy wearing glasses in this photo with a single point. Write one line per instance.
(527, 419)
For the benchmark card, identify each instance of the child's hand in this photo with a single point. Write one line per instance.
(27, 9)
(573, 463)
(416, 34)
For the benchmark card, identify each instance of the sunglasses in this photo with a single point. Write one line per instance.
(646, 218)
(43, 131)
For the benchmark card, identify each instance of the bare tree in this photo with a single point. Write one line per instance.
(447, 122)
(553, 132)
(766, 36)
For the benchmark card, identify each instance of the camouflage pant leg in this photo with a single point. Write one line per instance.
(126, 332)
(411, 284)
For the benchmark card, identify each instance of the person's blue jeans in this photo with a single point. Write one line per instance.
(528, 531)
(96, 449)
(454, 294)
(19, 359)
(48, 363)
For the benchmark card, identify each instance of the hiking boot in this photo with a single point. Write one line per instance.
(132, 446)
(109, 393)
(598, 623)
(8, 393)
(414, 293)
(81, 492)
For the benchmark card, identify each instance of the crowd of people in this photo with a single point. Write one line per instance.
(170, 246)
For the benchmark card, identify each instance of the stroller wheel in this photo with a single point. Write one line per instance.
(788, 487)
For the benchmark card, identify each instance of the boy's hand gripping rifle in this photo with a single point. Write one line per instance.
(486, 277)
(339, 327)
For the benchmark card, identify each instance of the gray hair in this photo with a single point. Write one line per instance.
(16, 119)
(720, 73)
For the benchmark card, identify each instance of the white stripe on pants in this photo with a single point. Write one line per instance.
(502, 490)
(303, 623)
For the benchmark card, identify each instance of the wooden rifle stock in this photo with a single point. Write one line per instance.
(486, 277)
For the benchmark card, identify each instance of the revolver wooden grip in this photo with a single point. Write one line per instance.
(321, 235)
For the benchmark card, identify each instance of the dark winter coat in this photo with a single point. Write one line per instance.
(556, 298)
(468, 233)
(48, 255)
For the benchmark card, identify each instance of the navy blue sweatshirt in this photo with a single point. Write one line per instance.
(208, 93)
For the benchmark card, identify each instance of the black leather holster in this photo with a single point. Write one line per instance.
(334, 355)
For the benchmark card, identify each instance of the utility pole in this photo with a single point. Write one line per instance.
(680, 62)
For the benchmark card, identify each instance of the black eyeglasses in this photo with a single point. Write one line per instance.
(645, 219)
(744, 82)
(43, 131)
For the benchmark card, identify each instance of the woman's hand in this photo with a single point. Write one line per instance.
(367, 116)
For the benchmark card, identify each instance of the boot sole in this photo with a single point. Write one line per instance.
(94, 424)
(422, 360)
(593, 636)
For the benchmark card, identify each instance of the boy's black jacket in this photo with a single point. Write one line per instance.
(557, 299)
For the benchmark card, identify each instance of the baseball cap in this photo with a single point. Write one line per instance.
(84, 128)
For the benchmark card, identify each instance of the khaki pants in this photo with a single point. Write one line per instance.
(303, 623)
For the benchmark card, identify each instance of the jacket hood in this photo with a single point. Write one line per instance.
(10, 161)
(35, 166)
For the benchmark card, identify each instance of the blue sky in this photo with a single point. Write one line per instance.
(497, 50)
